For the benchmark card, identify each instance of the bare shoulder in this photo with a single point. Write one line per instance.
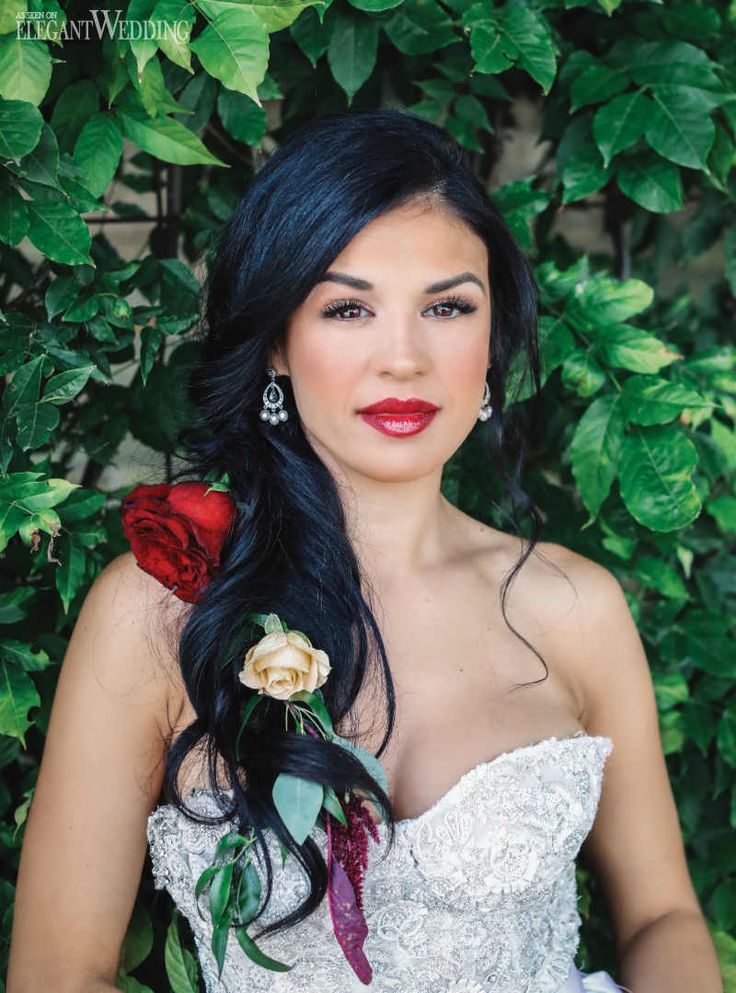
(564, 603)
(137, 611)
(588, 625)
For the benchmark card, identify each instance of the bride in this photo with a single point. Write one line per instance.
(365, 304)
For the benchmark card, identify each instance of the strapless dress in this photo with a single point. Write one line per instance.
(479, 894)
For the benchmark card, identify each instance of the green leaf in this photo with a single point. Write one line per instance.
(623, 347)
(595, 449)
(665, 62)
(581, 374)
(651, 182)
(351, 54)
(520, 202)
(142, 45)
(729, 255)
(98, 150)
(138, 940)
(656, 574)
(256, 955)
(608, 301)
(75, 105)
(332, 805)
(41, 165)
(36, 423)
(279, 14)
(621, 122)
(597, 84)
(317, 704)
(584, 173)
(180, 15)
(311, 36)
(220, 936)
(556, 342)
(59, 232)
(13, 212)
(18, 695)
(680, 128)
(71, 573)
(418, 27)
(652, 400)
(220, 892)
(166, 139)
(512, 34)
(181, 966)
(18, 653)
(726, 736)
(241, 118)
(670, 688)
(655, 478)
(298, 802)
(374, 6)
(234, 47)
(248, 896)
(25, 69)
(371, 763)
(47, 493)
(723, 510)
(20, 128)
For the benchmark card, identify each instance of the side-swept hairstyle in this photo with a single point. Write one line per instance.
(288, 551)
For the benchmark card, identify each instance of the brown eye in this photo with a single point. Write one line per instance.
(455, 303)
(340, 306)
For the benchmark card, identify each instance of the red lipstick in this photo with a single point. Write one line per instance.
(397, 417)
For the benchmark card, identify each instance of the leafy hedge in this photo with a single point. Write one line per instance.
(635, 463)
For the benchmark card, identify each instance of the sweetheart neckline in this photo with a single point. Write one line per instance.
(582, 734)
(406, 822)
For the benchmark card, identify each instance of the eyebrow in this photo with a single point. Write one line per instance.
(362, 284)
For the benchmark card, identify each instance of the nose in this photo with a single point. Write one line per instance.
(402, 347)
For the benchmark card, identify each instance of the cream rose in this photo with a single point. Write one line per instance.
(282, 663)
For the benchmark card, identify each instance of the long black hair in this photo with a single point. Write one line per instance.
(288, 550)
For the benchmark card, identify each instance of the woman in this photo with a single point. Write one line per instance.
(364, 306)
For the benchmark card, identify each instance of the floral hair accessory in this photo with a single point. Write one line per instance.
(284, 666)
(177, 532)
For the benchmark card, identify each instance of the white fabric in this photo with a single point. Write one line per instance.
(477, 896)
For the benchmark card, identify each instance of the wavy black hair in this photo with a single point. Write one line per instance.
(288, 551)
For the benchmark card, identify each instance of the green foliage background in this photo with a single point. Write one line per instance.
(635, 464)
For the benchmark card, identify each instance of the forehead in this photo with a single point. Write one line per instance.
(413, 244)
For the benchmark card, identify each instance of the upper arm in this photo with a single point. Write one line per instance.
(100, 776)
(635, 846)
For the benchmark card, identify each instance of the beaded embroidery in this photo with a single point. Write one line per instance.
(474, 898)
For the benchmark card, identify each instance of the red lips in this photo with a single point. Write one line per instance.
(393, 405)
(399, 418)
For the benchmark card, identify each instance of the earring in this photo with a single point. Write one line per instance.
(273, 401)
(486, 409)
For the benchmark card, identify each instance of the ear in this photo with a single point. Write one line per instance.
(277, 360)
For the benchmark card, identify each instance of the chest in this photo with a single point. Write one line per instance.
(458, 672)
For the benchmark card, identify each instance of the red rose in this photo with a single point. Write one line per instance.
(176, 533)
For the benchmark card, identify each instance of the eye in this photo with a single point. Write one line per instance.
(457, 303)
(338, 306)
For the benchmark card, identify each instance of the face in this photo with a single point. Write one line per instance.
(392, 334)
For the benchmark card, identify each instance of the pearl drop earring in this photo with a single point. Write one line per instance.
(273, 409)
(486, 409)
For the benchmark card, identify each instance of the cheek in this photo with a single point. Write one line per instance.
(328, 370)
(465, 366)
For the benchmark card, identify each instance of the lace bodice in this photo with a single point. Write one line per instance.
(477, 896)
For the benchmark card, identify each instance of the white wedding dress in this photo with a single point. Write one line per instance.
(478, 895)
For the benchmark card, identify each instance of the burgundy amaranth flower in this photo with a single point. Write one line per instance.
(350, 844)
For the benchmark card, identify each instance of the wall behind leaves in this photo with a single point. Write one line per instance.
(635, 461)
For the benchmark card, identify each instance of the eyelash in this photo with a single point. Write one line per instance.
(464, 306)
